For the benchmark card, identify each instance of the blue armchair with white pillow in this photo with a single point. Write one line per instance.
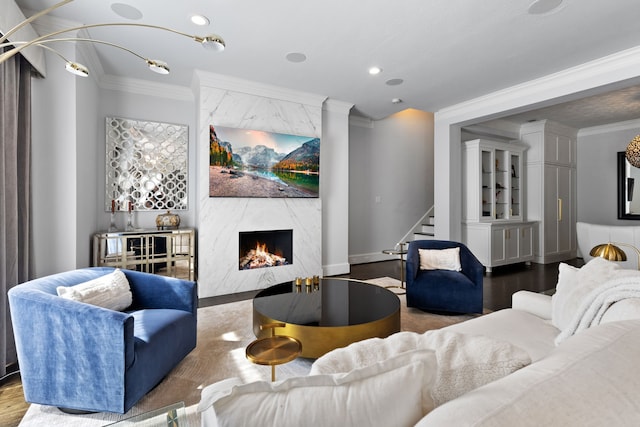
(443, 276)
(79, 356)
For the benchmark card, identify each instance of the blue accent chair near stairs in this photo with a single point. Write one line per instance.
(444, 290)
(81, 357)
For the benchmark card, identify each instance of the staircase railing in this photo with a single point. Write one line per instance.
(415, 226)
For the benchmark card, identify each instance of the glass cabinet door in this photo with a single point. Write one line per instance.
(516, 199)
(501, 184)
(487, 184)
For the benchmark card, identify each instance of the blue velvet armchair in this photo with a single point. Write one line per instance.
(81, 357)
(444, 290)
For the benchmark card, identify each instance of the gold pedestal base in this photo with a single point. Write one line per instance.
(318, 340)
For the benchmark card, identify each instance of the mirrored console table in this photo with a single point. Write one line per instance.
(165, 252)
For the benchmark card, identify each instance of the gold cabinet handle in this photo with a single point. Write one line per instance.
(559, 209)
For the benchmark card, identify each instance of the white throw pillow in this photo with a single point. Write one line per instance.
(465, 361)
(110, 291)
(567, 281)
(440, 259)
(571, 292)
(393, 392)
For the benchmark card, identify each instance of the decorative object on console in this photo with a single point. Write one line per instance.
(146, 164)
(252, 163)
(611, 252)
(112, 217)
(212, 41)
(167, 221)
(129, 226)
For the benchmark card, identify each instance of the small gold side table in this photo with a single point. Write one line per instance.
(273, 350)
(402, 252)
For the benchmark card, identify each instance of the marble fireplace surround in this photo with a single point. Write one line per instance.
(225, 102)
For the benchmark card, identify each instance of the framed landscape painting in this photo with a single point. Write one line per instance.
(254, 163)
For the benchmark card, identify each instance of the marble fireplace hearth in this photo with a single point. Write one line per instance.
(218, 256)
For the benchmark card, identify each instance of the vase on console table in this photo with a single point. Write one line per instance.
(129, 226)
(112, 217)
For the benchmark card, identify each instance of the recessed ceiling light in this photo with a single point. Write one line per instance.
(375, 70)
(394, 82)
(539, 7)
(126, 11)
(396, 101)
(200, 20)
(296, 57)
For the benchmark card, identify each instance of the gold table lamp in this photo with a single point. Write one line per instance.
(611, 252)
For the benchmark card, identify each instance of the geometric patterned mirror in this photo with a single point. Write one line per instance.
(146, 164)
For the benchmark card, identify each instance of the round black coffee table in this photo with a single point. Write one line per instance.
(330, 314)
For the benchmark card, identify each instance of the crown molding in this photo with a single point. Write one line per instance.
(609, 128)
(219, 81)
(145, 87)
(362, 122)
(336, 106)
(610, 69)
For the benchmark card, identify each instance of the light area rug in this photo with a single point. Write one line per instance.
(224, 331)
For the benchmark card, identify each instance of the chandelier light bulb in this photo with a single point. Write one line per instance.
(77, 69)
(158, 66)
(212, 42)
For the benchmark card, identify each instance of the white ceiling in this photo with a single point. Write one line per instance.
(445, 51)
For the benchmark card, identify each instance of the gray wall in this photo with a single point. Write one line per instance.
(117, 103)
(390, 181)
(54, 162)
(597, 172)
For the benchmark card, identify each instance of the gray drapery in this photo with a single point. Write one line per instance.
(15, 191)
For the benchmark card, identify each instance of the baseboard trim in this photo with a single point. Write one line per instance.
(371, 257)
(336, 269)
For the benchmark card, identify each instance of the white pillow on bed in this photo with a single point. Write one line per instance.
(110, 291)
(440, 259)
(393, 392)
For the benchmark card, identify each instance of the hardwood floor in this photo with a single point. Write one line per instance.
(13, 406)
(498, 288)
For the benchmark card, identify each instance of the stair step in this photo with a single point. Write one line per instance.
(428, 228)
(423, 236)
(431, 220)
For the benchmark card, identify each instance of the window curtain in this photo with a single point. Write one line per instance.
(15, 191)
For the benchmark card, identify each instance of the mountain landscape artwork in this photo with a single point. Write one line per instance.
(254, 163)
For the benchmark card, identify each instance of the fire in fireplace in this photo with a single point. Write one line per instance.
(261, 249)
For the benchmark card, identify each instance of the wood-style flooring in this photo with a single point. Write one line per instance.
(498, 288)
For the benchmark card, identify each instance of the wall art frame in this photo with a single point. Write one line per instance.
(146, 165)
(261, 164)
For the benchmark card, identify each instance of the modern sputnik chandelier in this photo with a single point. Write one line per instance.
(211, 42)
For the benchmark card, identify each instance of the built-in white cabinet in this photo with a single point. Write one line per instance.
(492, 180)
(493, 199)
(551, 188)
(496, 244)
